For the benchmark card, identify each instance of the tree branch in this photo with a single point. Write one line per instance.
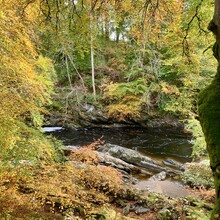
(185, 42)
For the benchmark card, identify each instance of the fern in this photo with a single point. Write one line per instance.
(124, 100)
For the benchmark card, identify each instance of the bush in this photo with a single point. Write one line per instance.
(57, 188)
(198, 174)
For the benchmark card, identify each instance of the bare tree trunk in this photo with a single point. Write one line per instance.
(93, 70)
(209, 113)
(92, 51)
(79, 75)
(107, 29)
(118, 32)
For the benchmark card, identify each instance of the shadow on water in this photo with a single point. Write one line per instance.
(156, 143)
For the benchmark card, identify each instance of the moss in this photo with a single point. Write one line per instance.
(197, 213)
(209, 112)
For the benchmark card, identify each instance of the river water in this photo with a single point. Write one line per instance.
(157, 143)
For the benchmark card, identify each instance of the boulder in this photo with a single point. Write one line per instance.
(142, 210)
(135, 158)
(174, 164)
(158, 177)
(164, 214)
(198, 174)
(119, 164)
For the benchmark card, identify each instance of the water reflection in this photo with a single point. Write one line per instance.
(157, 143)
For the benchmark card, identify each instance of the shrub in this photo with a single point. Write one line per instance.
(198, 174)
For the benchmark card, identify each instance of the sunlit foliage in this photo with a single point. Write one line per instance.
(54, 190)
(25, 83)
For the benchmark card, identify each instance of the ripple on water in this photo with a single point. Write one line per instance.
(159, 144)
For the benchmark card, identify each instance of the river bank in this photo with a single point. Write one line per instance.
(115, 156)
(82, 187)
(142, 201)
(70, 114)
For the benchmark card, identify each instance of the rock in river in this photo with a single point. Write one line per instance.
(117, 163)
(133, 157)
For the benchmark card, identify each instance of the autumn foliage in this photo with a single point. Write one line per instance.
(26, 79)
(54, 190)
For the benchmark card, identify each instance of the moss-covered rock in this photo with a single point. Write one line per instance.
(209, 112)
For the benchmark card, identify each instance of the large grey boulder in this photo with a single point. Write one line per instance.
(133, 157)
(117, 163)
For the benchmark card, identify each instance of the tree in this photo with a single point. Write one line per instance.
(25, 82)
(209, 112)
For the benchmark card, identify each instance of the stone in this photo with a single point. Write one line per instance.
(126, 209)
(135, 158)
(109, 160)
(158, 177)
(172, 163)
(141, 210)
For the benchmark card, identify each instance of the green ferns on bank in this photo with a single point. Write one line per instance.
(123, 100)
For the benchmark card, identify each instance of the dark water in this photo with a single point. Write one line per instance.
(157, 143)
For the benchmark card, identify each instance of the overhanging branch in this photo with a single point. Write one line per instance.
(185, 43)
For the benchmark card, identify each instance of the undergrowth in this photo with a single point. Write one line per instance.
(44, 189)
(80, 188)
(198, 175)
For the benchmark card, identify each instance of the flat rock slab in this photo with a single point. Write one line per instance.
(165, 187)
(135, 158)
(117, 163)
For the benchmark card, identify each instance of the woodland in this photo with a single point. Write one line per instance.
(85, 63)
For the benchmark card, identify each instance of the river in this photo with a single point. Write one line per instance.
(156, 143)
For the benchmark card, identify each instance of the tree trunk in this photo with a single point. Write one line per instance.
(93, 70)
(209, 113)
(107, 29)
(118, 32)
(92, 51)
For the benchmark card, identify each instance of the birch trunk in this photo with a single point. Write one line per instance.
(92, 51)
